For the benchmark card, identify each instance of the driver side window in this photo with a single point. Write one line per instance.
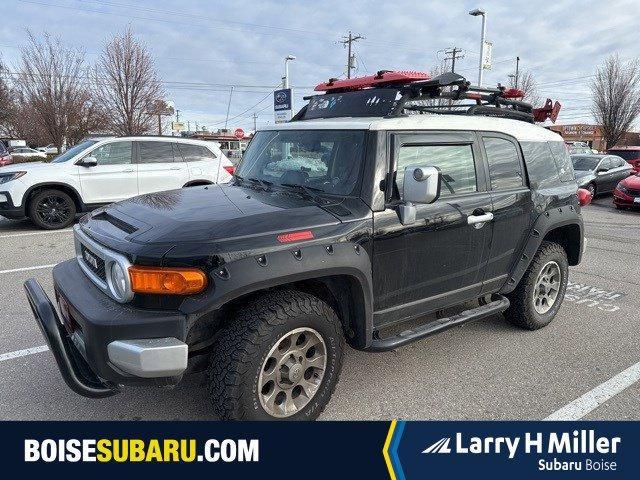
(454, 161)
(116, 153)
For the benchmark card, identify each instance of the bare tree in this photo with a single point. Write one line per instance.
(127, 85)
(6, 100)
(53, 88)
(616, 97)
(525, 81)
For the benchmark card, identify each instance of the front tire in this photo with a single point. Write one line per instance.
(592, 189)
(52, 209)
(537, 298)
(278, 359)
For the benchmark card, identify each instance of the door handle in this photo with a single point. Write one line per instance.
(175, 168)
(477, 219)
(128, 170)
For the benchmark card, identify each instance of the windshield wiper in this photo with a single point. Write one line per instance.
(255, 181)
(308, 190)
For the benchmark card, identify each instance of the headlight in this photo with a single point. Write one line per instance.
(7, 177)
(119, 281)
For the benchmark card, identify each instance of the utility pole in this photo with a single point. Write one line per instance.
(255, 119)
(453, 54)
(348, 41)
(177, 115)
(515, 76)
(228, 107)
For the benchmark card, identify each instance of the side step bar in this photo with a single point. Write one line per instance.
(498, 305)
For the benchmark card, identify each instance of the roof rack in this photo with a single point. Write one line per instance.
(394, 94)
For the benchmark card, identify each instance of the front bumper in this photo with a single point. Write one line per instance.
(116, 343)
(8, 208)
(624, 200)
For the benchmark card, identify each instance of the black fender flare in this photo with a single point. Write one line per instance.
(251, 274)
(549, 220)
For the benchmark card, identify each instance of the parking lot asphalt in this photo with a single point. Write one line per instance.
(485, 370)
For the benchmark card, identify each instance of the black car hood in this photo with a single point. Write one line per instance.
(213, 213)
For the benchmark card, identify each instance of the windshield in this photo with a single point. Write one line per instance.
(585, 163)
(626, 154)
(321, 160)
(73, 151)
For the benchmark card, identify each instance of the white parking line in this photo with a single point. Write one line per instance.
(26, 269)
(23, 353)
(25, 234)
(591, 400)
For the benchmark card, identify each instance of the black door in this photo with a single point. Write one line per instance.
(437, 261)
(512, 207)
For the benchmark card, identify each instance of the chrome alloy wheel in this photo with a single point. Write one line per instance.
(292, 372)
(547, 287)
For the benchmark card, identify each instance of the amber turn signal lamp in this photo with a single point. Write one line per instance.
(168, 281)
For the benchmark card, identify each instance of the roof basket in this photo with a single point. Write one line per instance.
(393, 94)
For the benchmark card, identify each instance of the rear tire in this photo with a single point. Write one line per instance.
(537, 298)
(278, 359)
(52, 209)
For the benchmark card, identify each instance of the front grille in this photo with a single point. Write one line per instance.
(93, 262)
(634, 192)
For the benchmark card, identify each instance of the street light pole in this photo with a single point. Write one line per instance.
(285, 80)
(477, 12)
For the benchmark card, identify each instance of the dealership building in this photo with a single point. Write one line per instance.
(591, 135)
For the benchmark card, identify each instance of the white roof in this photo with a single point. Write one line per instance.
(152, 138)
(521, 130)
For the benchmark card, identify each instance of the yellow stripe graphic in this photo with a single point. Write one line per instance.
(385, 450)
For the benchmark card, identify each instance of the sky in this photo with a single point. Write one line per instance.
(203, 48)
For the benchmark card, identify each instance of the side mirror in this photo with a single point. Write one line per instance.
(89, 161)
(420, 185)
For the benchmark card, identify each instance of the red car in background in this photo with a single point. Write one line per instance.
(5, 157)
(630, 153)
(627, 193)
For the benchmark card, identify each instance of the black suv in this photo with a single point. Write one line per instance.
(367, 211)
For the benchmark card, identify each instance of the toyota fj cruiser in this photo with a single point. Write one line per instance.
(387, 200)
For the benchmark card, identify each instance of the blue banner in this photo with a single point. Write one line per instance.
(395, 450)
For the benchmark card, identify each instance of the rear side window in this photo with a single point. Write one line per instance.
(541, 166)
(194, 153)
(156, 152)
(505, 169)
(454, 161)
(563, 161)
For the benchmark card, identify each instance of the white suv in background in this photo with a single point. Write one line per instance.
(99, 171)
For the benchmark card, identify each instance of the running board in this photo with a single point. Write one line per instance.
(499, 305)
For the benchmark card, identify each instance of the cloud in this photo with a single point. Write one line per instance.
(203, 47)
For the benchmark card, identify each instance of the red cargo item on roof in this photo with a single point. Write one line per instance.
(382, 77)
(550, 111)
(513, 93)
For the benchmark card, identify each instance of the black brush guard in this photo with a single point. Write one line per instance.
(73, 367)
